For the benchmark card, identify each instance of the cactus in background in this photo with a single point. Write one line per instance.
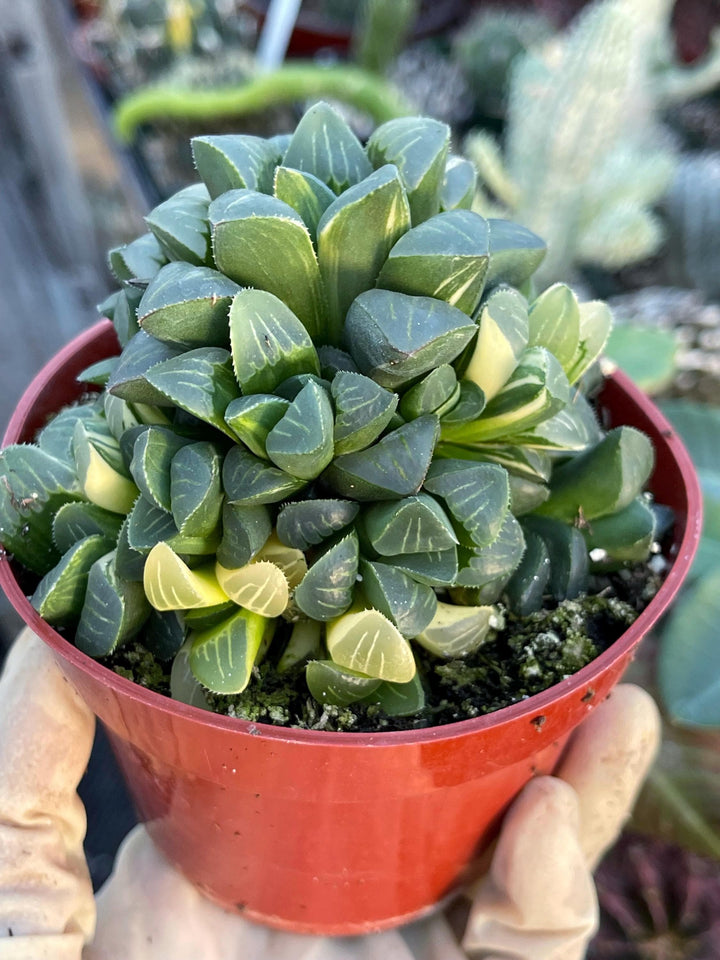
(584, 162)
(692, 208)
(337, 431)
(381, 31)
(486, 47)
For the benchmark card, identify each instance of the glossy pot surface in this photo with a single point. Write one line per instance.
(339, 833)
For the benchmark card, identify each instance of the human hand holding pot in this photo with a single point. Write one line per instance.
(537, 900)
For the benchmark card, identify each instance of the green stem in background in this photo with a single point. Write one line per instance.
(381, 31)
(289, 83)
(679, 84)
(673, 801)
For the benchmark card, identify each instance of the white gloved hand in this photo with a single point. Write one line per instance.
(537, 901)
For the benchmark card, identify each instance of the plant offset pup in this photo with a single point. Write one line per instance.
(338, 431)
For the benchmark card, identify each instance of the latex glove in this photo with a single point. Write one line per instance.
(537, 901)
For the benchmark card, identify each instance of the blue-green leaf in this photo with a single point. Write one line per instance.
(568, 552)
(114, 610)
(327, 588)
(354, 236)
(78, 519)
(252, 418)
(269, 343)
(418, 146)
(308, 522)
(445, 258)
(301, 443)
(436, 393)
(248, 479)
(153, 452)
(139, 260)
(245, 532)
(188, 306)
(221, 658)
(59, 596)
(525, 592)
(128, 380)
(252, 233)
(477, 495)
(392, 468)
(195, 489)
(410, 605)
(413, 525)
(515, 253)
(458, 188)
(324, 145)
(395, 338)
(362, 411)
(181, 227)
(201, 382)
(493, 564)
(235, 161)
(305, 193)
(330, 683)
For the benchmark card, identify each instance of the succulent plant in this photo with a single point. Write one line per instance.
(337, 431)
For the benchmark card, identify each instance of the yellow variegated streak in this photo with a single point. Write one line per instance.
(171, 585)
(304, 643)
(259, 587)
(456, 631)
(368, 642)
(494, 360)
(596, 322)
(103, 485)
(291, 561)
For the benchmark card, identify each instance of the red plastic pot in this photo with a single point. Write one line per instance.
(339, 833)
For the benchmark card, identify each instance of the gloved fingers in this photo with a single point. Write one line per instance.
(608, 758)
(46, 734)
(148, 911)
(538, 900)
(66, 946)
(432, 939)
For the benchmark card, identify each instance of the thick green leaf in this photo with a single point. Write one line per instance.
(333, 360)
(120, 416)
(301, 443)
(330, 683)
(188, 306)
(195, 489)
(114, 610)
(101, 469)
(249, 480)
(502, 337)
(308, 522)
(181, 226)
(525, 591)
(305, 193)
(305, 643)
(324, 145)
(515, 253)
(602, 480)
(164, 634)
(56, 437)
(98, 373)
(141, 354)
(536, 391)
(60, 594)
(526, 495)
(153, 452)
(252, 234)
(129, 563)
(458, 188)
(554, 323)
(139, 260)
(418, 146)
(625, 536)
(477, 495)
(200, 381)
(395, 338)
(689, 663)
(362, 411)
(393, 468)
(569, 561)
(468, 407)
(327, 588)
(147, 525)
(183, 685)
(33, 485)
(252, 418)
(436, 393)
(366, 641)
(445, 258)
(436, 569)
(290, 388)
(78, 519)
(457, 631)
(170, 583)
(354, 236)
(575, 428)
(235, 161)
(482, 566)
(125, 314)
(408, 604)
(268, 342)
(596, 322)
(221, 658)
(245, 532)
(413, 525)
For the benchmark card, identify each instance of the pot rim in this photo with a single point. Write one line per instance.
(529, 707)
